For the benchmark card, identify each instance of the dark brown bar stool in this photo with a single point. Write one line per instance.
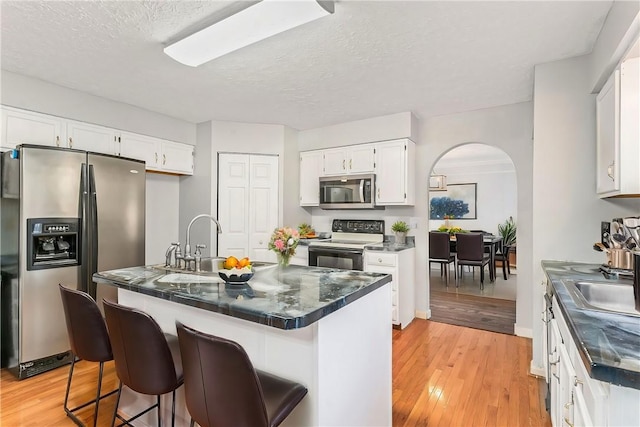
(147, 360)
(223, 389)
(89, 341)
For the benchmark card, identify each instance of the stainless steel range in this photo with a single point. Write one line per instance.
(345, 249)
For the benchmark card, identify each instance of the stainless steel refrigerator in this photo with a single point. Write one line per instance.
(65, 214)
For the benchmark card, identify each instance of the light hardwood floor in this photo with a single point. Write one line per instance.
(443, 375)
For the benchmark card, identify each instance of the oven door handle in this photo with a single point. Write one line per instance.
(335, 250)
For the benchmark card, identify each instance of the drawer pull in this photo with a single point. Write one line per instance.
(70, 142)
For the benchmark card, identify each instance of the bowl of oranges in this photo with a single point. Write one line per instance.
(236, 271)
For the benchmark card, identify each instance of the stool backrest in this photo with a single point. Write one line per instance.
(86, 329)
(469, 246)
(142, 356)
(221, 385)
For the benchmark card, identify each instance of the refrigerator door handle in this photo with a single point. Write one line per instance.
(84, 236)
(93, 224)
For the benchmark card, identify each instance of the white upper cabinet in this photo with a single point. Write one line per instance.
(84, 136)
(310, 171)
(347, 160)
(393, 163)
(618, 133)
(395, 173)
(159, 154)
(26, 127)
(177, 158)
(140, 147)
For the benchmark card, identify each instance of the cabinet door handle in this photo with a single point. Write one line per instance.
(610, 171)
(156, 154)
(378, 192)
(380, 260)
(57, 141)
(164, 160)
(350, 160)
(566, 420)
(343, 164)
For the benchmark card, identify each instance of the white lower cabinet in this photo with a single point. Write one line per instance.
(576, 398)
(401, 265)
(301, 257)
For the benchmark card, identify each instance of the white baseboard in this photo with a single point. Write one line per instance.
(522, 332)
(537, 370)
(423, 314)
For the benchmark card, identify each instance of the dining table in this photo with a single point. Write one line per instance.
(492, 243)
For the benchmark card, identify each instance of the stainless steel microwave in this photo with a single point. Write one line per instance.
(348, 192)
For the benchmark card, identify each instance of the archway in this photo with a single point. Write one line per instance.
(480, 196)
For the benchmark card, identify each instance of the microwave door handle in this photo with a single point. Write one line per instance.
(362, 191)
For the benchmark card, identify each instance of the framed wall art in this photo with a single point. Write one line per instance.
(458, 201)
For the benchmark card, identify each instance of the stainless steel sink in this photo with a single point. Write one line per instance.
(603, 296)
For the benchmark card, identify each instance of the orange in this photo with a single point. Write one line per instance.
(244, 262)
(230, 262)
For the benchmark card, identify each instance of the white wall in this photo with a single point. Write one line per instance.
(162, 190)
(620, 28)
(564, 158)
(195, 191)
(393, 126)
(44, 97)
(162, 216)
(509, 128)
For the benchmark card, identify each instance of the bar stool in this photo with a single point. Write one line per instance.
(89, 341)
(147, 360)
(223, 389)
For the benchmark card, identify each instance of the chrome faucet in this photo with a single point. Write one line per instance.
(187, 247)
(169, 252)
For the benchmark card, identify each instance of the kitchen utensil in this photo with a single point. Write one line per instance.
(600, 247)
(619, 240)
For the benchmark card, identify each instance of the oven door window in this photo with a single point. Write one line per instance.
(336, 258)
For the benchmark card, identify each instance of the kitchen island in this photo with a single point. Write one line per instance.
(328, 329)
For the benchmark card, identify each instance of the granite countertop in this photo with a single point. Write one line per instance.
(389, 245)
(609, 343)
(289, 298)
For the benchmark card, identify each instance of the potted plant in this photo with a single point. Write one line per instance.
(400, 228)
(507, 231)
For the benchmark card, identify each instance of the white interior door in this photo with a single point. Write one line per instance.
(263, 206)
(233, 205)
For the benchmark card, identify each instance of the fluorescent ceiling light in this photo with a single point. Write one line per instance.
(255, 23)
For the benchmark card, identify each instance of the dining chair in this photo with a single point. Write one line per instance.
(502, 255)
(89, 341)
(440, 252)
(223, 389)
(470, 251)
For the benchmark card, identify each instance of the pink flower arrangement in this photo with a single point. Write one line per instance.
(284, 241)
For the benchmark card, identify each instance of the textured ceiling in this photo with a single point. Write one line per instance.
(367, 59)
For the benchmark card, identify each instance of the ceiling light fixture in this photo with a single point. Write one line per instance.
(255, 23)
(437, 183)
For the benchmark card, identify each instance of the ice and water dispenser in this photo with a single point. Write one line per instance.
(53, 242)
